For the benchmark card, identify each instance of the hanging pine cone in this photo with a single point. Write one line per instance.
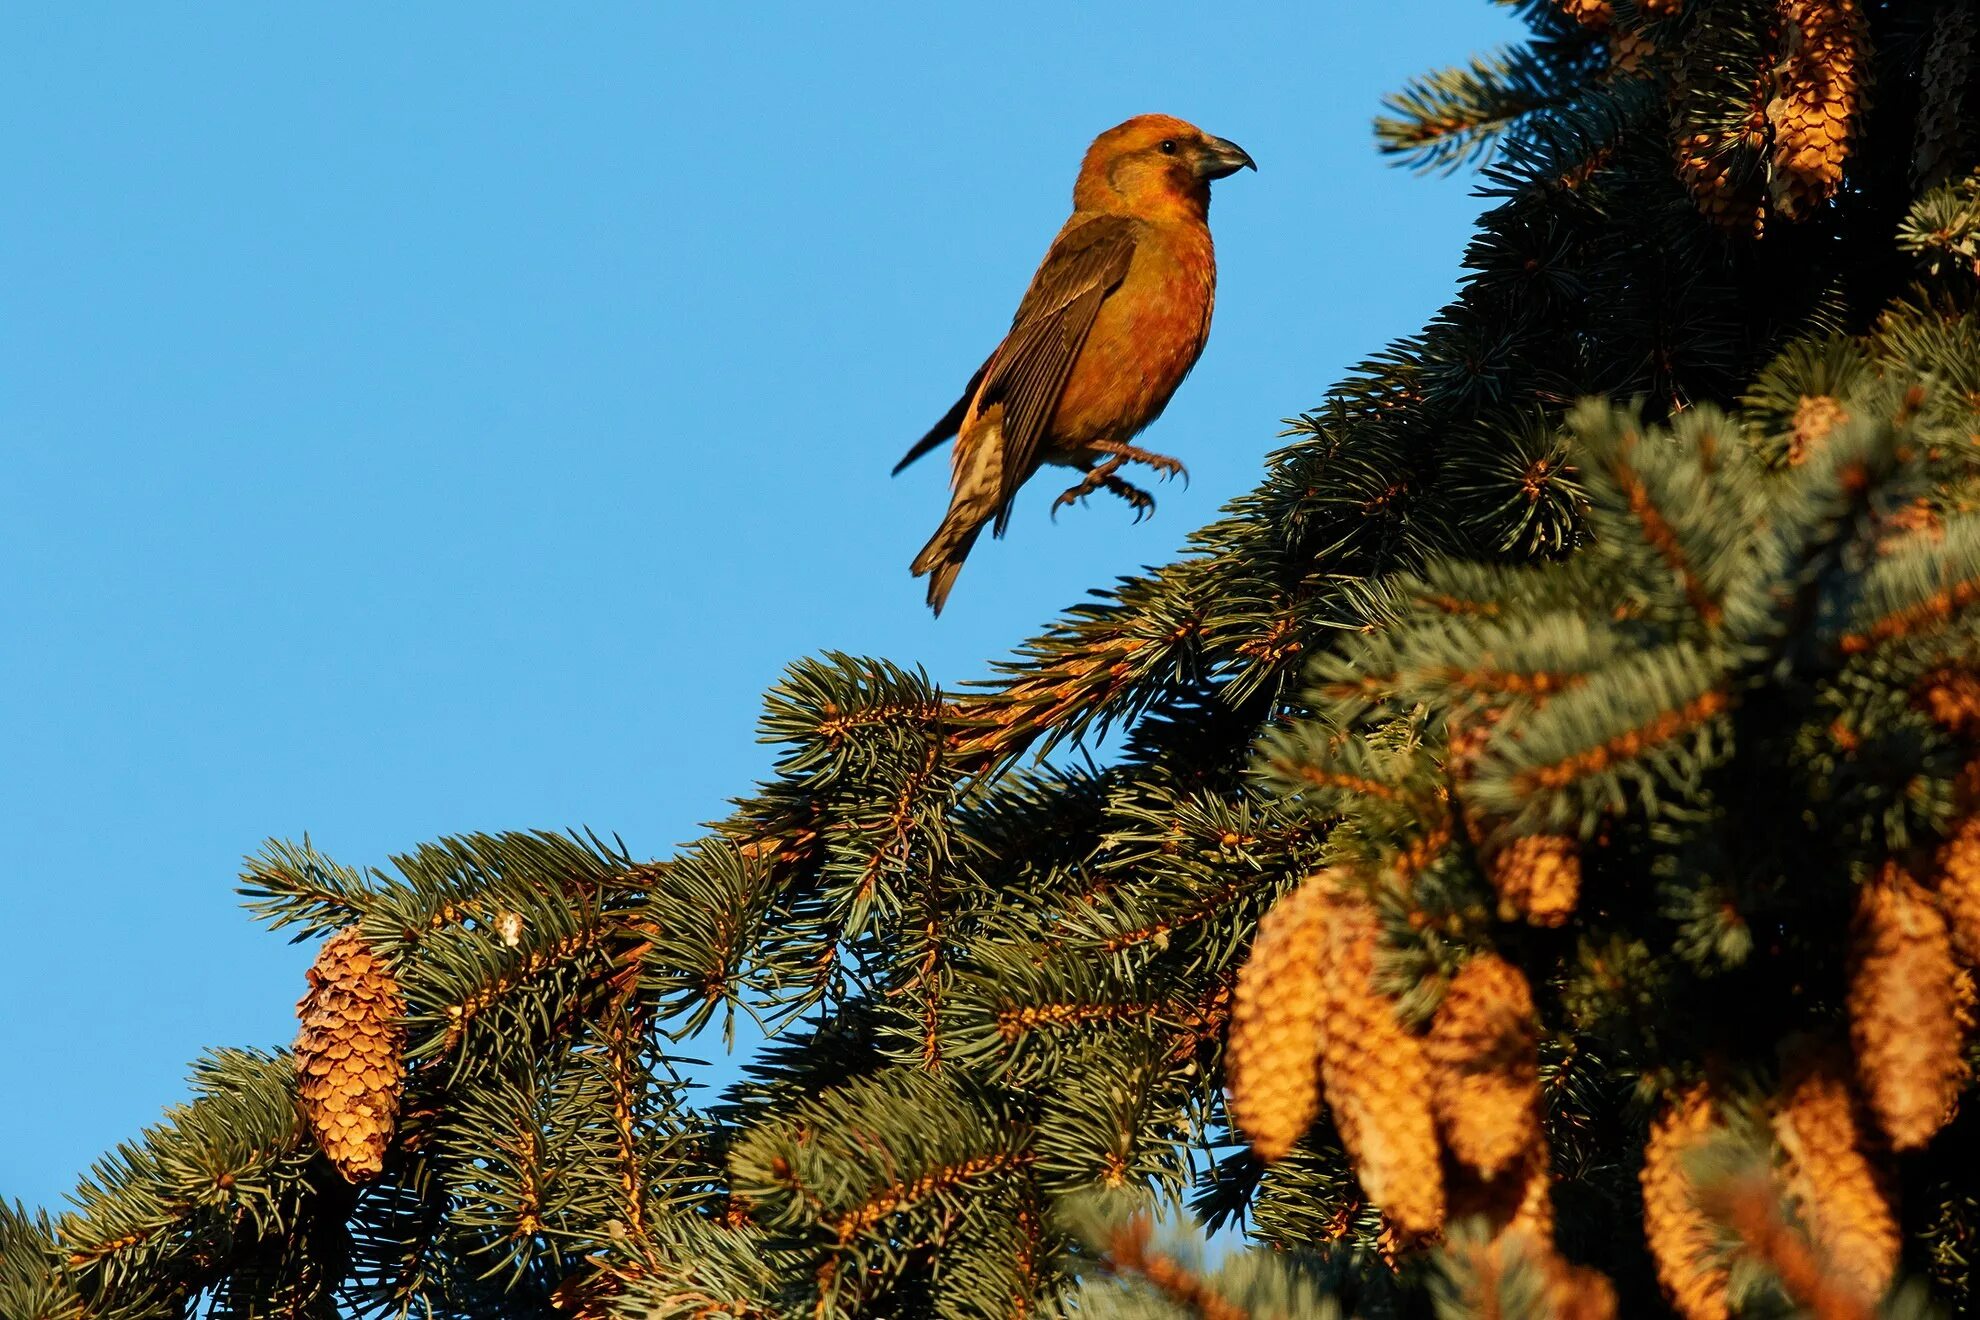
(1903, 1019)
(1959, 888)
(1721, 164)
(1952, 698)
(1720, 187)
(1520, 1200)
(1577, 1292)
(1940, 145)
(1596, 14)
(1273, 1053)
(1377, 1082)
(350, 1054)
(1814, 114)
(1538, 878)
(1682, 1239)
(1630, 53)
(1840, 1195)
(1483, 1046)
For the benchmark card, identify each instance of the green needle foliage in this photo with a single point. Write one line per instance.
(1659, 544)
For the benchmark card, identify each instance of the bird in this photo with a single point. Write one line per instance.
(1116, 315)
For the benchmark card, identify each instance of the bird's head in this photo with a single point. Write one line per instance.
(1155, 166)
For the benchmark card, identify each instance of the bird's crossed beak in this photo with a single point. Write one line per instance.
(1221, 157)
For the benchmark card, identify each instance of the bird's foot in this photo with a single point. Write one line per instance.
(1097, 476)
(1138, 499)
(1103, 478)
(1162, 463)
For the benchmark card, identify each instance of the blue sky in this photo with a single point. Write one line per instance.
(420, 420)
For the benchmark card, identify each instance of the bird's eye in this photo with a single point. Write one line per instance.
(1168, 146)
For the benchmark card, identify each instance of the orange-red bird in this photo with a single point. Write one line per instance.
(1114, 319)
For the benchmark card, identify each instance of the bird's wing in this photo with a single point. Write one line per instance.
(1028, 372)
(951, 422)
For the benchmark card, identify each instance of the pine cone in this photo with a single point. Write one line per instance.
(1959, 888)
(1681, 1238)
(1660, 8)
(1903, 1019)
(1721, 186)
(1273, 1054)
(1815, 415)
(1630, 53)
(1840, 1194)
(1483, 1047)
(1538, 877)
(1519, 1200)
(1748, 1204)
(1377, 1081)
(1579, 1293)
(349, 1054)
(1940, 145)
(1721, 164)
(1952, 698)
(1596, 14)
(1814, 114)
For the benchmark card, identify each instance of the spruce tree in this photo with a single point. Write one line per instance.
(1541, 872)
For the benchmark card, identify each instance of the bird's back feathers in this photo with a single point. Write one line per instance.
(1028, 372)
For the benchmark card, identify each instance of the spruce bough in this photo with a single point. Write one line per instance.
(1601, 664)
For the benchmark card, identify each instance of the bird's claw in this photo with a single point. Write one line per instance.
(1138, 499)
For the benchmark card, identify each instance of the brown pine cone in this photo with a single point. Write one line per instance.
(1814, 114)
(1272, 1056)
(1682, 1239)
(1377, 1081)
(1596, 14)
(1941, 142)
(1538, 878)
(1952, 698)
(1959, 888)
(1630, 53)
(1722, 165)
(1841, 1195)
(1520, 1201)
(1903, 1009)
(1483, 1046)
(350, 1061)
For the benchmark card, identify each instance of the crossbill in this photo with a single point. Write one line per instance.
(1114, 319)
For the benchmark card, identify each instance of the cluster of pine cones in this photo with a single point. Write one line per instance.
(1447, 1123)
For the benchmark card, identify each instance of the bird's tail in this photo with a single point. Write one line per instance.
(942, 558)
(976, 490)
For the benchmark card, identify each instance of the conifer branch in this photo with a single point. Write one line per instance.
(1130, 1252)
(1664, 679)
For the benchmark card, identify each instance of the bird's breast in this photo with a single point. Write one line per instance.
(1147, 335)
